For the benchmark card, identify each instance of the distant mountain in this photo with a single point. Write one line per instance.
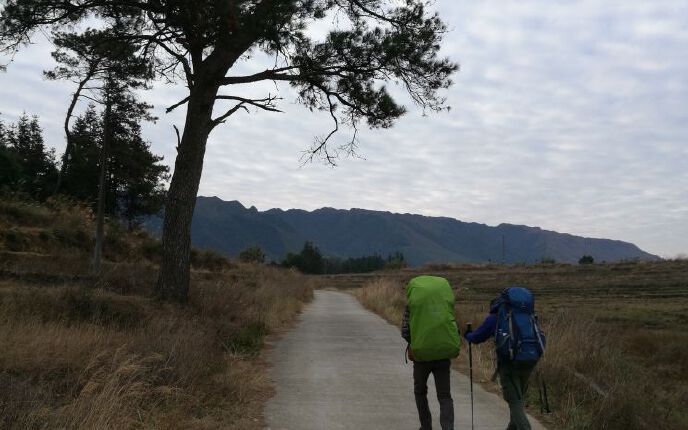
(229, 227)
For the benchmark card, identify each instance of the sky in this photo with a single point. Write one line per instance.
(566, 115)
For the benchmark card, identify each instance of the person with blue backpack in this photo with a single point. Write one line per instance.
(519, 345)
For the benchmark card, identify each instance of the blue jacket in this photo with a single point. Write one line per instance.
(485, 331)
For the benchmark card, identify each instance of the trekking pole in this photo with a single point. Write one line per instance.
(470, 369)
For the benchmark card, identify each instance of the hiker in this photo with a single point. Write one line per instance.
(433, 339)
(519, 344)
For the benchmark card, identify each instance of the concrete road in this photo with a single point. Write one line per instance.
(342, 367)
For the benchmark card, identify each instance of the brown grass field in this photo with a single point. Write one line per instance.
(617, 355)
(79, 352)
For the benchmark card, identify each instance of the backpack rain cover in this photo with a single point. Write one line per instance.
(434, 334)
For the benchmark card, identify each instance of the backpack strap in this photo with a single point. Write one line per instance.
(538, 333)
(511, 333)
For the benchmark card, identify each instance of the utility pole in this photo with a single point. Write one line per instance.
(503, 250)
(546, 253)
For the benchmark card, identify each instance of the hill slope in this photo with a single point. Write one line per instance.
(229, 227)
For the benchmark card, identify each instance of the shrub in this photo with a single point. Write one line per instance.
(586, 259)
(209, 260)
(252, 254)
(151, 249)
(248, 339)
(15, 241)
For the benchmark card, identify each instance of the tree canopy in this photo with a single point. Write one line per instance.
(310, 260)
(369, 43)
(96, 60)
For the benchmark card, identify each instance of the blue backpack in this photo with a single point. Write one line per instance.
(518, 335)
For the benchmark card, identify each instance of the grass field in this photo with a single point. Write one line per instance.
(617, 353)
(83, 352)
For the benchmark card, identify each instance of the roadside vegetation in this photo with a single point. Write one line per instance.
(311, 261)
(83, 352)
(617, 354)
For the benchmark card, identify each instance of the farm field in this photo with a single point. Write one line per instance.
(617, 335)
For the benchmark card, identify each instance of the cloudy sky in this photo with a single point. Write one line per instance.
(567, 115)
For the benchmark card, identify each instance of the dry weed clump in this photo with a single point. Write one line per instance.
(83, 358)
(384, 297)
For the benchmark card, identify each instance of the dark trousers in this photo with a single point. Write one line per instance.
(440, 370)
(513, 378)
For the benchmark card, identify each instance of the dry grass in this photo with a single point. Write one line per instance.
(98, 353)
(617, 355)
(54, 240)
(92, 359)
(385, 298)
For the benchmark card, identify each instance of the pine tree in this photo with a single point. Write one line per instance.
(3, 142)
(135, 185)
(107, 65)
(10, 169)
(137, 179)
(36, 167)
(80, 171)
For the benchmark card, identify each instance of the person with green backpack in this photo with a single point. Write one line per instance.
(519, 344)
(429, 327)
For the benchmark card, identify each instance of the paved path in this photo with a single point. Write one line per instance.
(342, 367)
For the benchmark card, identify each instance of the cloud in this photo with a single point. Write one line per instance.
(572, 116)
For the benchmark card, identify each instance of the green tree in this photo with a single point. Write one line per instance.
(10, 169)
(90, 60)
(396, 261)
(203, 42)
(252, 254)
(80, 169)
(136, 179)
(105, 63)
(309, 260)
(586, 259)
(31, 166)
(3, 135)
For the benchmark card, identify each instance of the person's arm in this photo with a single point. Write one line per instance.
(484, 332)
(405, 328)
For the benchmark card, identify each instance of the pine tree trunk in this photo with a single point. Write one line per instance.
(102, 185)
(174, 276)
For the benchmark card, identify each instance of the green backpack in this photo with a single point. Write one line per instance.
(434, 335)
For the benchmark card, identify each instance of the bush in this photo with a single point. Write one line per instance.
(151, 249)
(15, 241)
(209, 260)
(249, 339)
(22, 211)
(252, 254)
(586, 259)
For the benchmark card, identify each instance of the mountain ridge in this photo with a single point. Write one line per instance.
(229, 227)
